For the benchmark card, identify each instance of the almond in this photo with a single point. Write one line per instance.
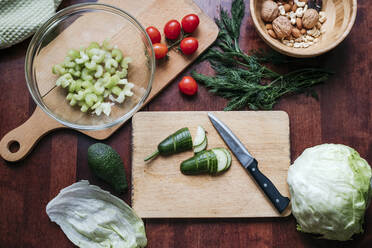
(296, 33)
(299, 23)
(318, 25)
(272, 33)
(303, 31)
(269, 26)
(287, 7)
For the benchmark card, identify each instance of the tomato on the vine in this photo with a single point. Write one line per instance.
(154, 34)
(190, 23)
(189, 45)
(188, 86)
(172, 29)
(160, 50)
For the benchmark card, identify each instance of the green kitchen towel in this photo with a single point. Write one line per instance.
(21, 18)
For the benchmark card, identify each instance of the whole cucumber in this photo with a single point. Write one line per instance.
(177, 142)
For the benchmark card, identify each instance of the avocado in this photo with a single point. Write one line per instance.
(106, 164)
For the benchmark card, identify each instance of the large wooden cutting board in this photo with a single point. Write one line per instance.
(161, 191)
(147, 12)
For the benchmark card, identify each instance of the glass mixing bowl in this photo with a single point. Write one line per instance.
(75, 27)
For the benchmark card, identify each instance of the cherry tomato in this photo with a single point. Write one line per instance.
(188, 86)
(154, 34)
(172, 29)
(189, 45)
(190, 23)
(160, 50)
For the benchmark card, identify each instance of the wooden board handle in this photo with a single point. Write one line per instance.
(27, 135)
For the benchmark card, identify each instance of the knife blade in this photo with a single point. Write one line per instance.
(250, 164)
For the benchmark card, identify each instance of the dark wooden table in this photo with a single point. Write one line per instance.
(343, 114)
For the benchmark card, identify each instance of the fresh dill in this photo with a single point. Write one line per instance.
(241, 78)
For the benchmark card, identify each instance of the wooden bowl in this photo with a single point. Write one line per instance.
(340, 19)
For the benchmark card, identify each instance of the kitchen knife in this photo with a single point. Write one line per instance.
(250, 164)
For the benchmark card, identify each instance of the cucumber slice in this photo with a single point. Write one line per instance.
(229, 158)
(199, 137)
(222, 159)
(212, 168)
(202, 146)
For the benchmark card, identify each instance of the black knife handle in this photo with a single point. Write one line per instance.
(280, 202)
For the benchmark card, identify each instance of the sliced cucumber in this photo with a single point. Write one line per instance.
(203, 162)
(213, 162)
(222, 159)
(202, 146)
(199, 137)
(229, 158)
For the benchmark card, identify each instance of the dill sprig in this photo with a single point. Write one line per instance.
(242, 78)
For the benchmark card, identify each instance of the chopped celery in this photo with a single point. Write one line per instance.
(86, 84)
(58, 70)
(85, 75)
(124, 63)
(116, 90)
(109, 63)
(73, 53)
(93, 44)
(91, 65)
(78, 85)
(88, 91)
(121, 97)
(106, 45)
(128, 89)
(99, 71)
(98, 89)
(79, 96)
(68, 63)
(97, 55)
(71, 87)
(93, 76)
(69, 96)
(90, 99)
(106, 93)
(74, 73)
(122, 73)
(83, 58)
(73, 102)
(128, 60)
(84, 108)
(77, 68)
(123, 81)
(117, 54)
(112, 82)
(112, 71)
(96, 104)
(64, 80)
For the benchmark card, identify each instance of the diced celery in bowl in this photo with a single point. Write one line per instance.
(95, 77)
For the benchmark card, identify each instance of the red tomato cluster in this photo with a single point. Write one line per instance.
(172, 31)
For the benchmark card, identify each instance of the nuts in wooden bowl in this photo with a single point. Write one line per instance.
(294, 23)
(335, 19)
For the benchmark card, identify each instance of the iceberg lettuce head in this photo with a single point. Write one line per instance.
(330, 190)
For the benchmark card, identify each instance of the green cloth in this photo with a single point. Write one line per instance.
(21, 18)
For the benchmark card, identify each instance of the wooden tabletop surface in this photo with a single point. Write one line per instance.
(343, 114)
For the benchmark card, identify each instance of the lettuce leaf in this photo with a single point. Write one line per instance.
(91, 217)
